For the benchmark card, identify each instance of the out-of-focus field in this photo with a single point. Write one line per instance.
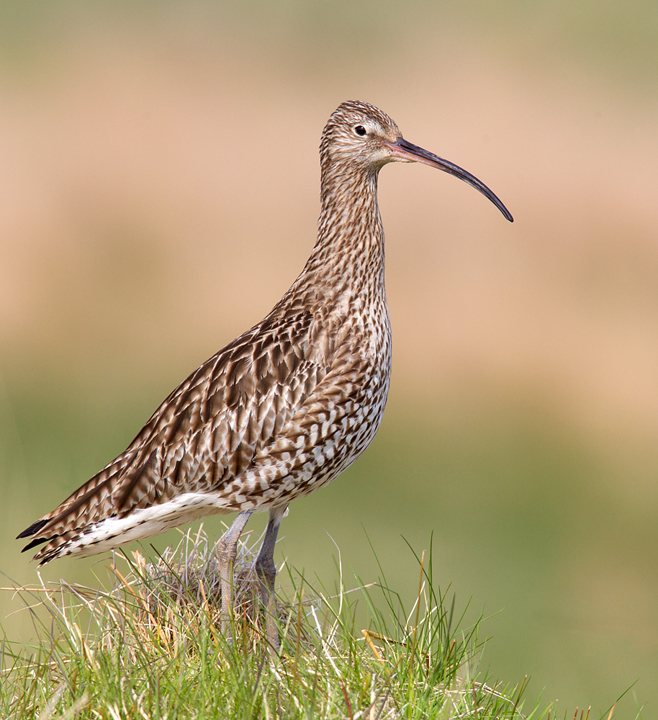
(159, 184)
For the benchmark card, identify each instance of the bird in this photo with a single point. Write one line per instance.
(283, 409)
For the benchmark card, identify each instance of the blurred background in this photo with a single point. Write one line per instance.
(159, 181)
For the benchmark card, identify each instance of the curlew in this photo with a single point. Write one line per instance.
(283, 409)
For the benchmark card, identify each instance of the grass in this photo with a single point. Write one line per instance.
(147, 644)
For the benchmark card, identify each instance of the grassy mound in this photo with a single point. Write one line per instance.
(150, 646)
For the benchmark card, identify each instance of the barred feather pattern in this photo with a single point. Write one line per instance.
(280, 411)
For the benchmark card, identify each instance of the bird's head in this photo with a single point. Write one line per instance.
(362, 137)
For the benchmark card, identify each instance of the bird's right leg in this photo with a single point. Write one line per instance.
(227, 551)
(266, 570)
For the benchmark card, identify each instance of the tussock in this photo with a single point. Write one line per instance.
(150, 646)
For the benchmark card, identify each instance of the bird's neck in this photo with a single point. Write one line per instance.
(348, 256)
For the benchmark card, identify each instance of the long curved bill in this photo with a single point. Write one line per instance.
(403, 150)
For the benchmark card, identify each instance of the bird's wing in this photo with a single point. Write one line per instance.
(210, 430)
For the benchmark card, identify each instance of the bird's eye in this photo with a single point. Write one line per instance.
(359, 130)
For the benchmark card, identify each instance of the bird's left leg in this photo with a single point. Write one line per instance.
(266, 570)
(227, 551)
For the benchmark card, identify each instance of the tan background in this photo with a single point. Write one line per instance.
(159, 191)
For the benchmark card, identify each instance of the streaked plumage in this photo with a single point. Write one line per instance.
(287, 406)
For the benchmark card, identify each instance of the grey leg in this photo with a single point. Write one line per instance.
(267, 573)
(227, 551)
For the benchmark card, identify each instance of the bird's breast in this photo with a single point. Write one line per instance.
(353, 321)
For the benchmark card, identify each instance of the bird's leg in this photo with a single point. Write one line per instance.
(227, 551)
(266, 570)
